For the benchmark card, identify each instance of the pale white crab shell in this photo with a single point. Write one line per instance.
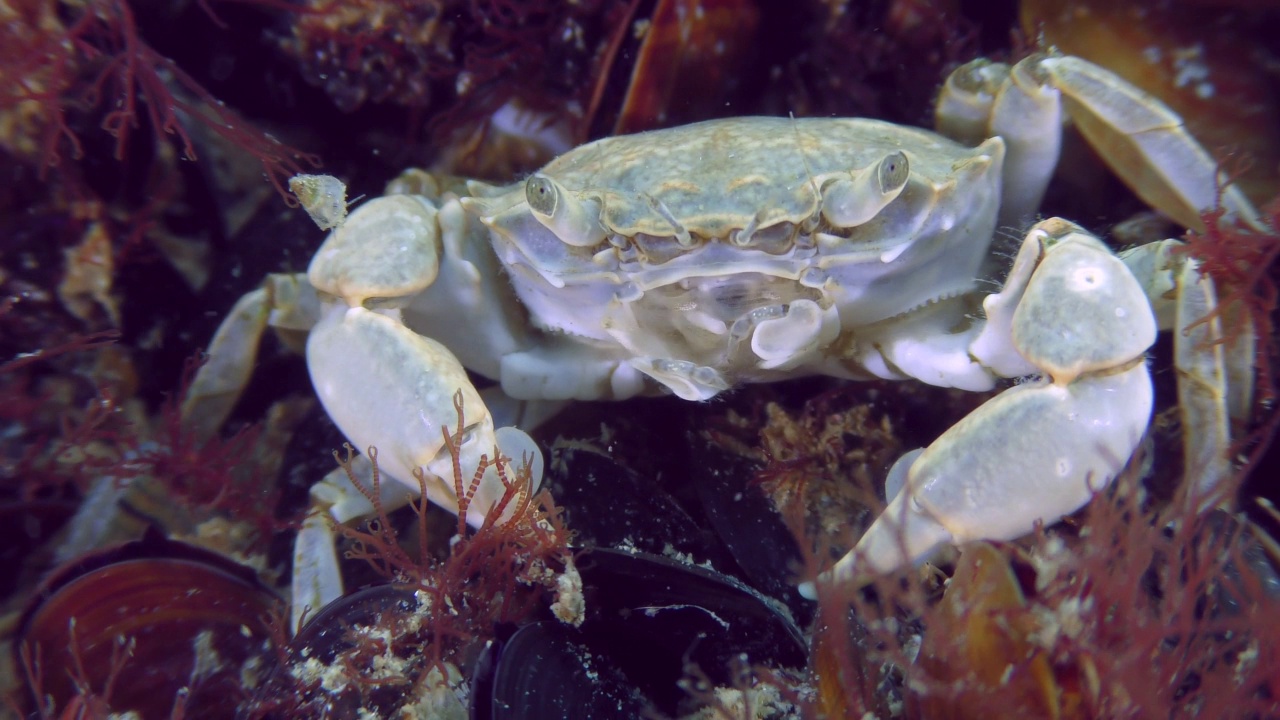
(707, 228)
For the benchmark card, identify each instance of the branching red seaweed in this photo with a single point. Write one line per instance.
(497, 574)
(95, 58)
(1129, 611)
(1241, 259)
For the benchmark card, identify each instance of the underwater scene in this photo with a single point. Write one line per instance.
(698, 359)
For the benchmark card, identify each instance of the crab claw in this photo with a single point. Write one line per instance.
(1035, 453)
(1042, 449)
(389, 388)
(386, 387)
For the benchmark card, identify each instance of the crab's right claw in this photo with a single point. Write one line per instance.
(389, 388)
(1040, 450)
(383, 384)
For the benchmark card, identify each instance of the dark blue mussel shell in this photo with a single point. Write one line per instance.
(698, 499)
(648, 618)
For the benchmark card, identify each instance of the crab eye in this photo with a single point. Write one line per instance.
(573, 219)
(893, 172)
(848, 202)
(540, 193)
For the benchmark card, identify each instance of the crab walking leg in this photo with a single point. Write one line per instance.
(982, 100)
(284, 302)
(317, 579)
(963, 109)
(1202, 382)
(1040, 450)
(1214, 378)
(1143, 142)
(232, 353)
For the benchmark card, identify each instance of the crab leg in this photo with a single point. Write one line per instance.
(284, 302)
(384, 385)
(317, 578)
(1019, 109)
(388, 387)
(232, 353)
(1143, 142)
(1139, 137)
(1214, 378)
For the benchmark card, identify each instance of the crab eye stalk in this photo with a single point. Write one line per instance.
(573, 220)
(854, 200)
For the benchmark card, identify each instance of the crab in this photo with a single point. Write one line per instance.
(699, 258)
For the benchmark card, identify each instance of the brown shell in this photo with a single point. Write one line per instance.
(174, 617)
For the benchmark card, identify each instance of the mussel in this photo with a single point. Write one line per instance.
(651, 622)
(153, 626)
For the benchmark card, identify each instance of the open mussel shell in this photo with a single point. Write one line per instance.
(146, 627)
(648, 620)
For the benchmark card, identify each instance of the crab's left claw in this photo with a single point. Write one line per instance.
(388, 387)
(1039, 450)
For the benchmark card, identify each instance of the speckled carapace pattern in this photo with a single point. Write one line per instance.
(717, 176)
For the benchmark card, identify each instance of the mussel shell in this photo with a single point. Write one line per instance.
(611, 505)
(329, 633)
(747, 523)
(1252, 574)
(325, 634)
(1204, 64)
(690, 60)
(979, 644)
(545, 670)
(701, 502)
(647, 617)
(198, 621)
